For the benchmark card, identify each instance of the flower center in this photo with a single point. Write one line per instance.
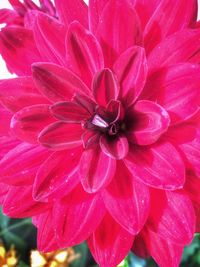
(106, 127)
(108, 120)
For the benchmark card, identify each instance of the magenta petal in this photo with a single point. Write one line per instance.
(18, 6)
(154, 166)
(164, 252)
(9, 17)
(69, 10)
(3, 192)
(85, 102)
(57, 83)
(18, 93)
(119, 31)
(84, 52)
(5, 117)
(192, 186)
(7, 143)
(18, 49)
(27, 123)
(90, 139)
(96, 8)
(163, 86)
(80, 216)
(105, 87)
(55, 178)
(127, 200)
(145, 9)
(116, 148)
(69, 112)
(170, 51)
(59, 136)
(110, 243)
(168, 19)
(151, 121)
(20, 204)
(46, 238)
(96, 170)
(20, 164)
(173, 217)
(49, 37)
(30, 19)
(187, 138)
(131, 70)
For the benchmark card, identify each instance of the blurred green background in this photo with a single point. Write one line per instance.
(22, 234)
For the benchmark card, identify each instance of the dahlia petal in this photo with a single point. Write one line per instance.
(80, 216)
(59, 136)
(172, 217)
(46, 238)
(5, 117)
(7, 143)
(116, 148)
(110, 243)
(163, 86)
(84, 52)
(69, 112)
(105, 87)
(116, 111)
(20, 204)
(55, 178)
(18, 49)
(187, 138)
(168, 19)
(164, 252)
(192, 187)
(96, 8)
(90, 139)
(118, 32)
(19, 165)
(139, 247)
(3, 192)
(9, 17)
(178, 47)
(151, 121)
(197, 213)
(145, 9)
(27, 123)
(127, 200)
(30, 19)
(68, 11)
(85, 102)
(18, 93)
(192, 153)
(49, 7)
(153, 166)
(57, 83)
(96, 170)
(131, 70)
(48, 34)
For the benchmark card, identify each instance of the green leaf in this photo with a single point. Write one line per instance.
(135, 261)
(23, 264)
(190, 250)
(124, 263)
(13, 239)
(81, 250)
(4, 220)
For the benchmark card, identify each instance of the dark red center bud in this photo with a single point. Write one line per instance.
(108, 120)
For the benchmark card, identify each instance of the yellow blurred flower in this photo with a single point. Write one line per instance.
(61, 258)
(8, 258)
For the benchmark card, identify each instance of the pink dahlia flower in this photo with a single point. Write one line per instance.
(101, 133)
